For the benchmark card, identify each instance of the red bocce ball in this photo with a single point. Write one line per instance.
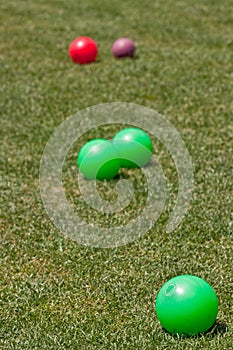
(83, 50)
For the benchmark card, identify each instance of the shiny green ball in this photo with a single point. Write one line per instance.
(186, 305)
(134, 147)
(98, 159)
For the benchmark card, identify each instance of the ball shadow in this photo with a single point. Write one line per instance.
(218, 328)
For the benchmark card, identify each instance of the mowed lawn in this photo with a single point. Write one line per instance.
(54, 292)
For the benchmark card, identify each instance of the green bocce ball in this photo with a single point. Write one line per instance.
(186, 305)
(99, 160)
(134, 147)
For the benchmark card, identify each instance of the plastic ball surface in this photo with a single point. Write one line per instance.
(186, 305)
(123, 47)
(83, 50)
(98, 159)
(134, 147)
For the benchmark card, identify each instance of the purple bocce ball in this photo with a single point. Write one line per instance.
(123, 47)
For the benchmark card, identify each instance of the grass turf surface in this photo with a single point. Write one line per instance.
(56, 294)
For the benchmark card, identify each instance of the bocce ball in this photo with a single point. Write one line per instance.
(134, 147)
(83, 50)
(186, 305)
(123, 47)
(98, 159)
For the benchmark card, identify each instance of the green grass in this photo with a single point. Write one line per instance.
(55, 293)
